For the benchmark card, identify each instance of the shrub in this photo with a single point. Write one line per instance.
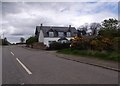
(58, 45)
(31, 40)
(79, 42)
(116, 44)
(4, 41)
(93, 44)
(101, 43)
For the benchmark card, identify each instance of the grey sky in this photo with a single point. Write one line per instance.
(19, 19)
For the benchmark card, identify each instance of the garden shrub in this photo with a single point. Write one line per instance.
(58, 45)
(79, 42)
(31, 40)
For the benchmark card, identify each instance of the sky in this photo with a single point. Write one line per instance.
(19, 19)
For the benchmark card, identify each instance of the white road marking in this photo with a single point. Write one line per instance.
(27, 70)
(12, 53)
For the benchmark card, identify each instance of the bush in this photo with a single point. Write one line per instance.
(4, 41)
(116, 44)
(81, 43)
(101, 43)
(31, 40)
(58, 45)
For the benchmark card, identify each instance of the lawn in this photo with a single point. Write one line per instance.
(114, 56)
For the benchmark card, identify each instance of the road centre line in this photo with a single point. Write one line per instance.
(12, 53)
(27, 70)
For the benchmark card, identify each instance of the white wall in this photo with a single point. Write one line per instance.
(41, 36)
(47, 39)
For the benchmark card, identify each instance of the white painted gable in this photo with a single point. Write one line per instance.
(41, 37)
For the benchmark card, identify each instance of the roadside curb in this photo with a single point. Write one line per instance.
(98, 65)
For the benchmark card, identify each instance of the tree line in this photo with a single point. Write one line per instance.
(107, 39)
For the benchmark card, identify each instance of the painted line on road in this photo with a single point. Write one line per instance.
(12, 53)
(27, 70)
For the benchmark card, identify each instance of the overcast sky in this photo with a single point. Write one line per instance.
(19, 19)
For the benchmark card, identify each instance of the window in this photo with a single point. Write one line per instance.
(68, 34)
(60, 34)
(51, 42)
(51, 34)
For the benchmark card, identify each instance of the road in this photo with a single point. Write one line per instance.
(24, 66)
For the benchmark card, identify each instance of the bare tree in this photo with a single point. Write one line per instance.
(95, 27)
(83, 29)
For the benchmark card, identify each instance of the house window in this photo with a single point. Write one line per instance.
(51, 34)
(51, 42)
(60, 34)
(68, 34)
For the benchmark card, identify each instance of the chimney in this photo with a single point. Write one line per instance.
(69, 26)
(41, 24)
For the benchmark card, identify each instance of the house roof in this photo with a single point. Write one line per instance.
(55, 29)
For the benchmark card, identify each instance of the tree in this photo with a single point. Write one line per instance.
(22, 39)
(110, 24)
(82, 30)
(109, 28)
(110, 34)
(31, 40)
(5, 41)
(95, 27)
(84, 27)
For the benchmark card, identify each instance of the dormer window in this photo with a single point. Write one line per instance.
(51, 34)
(60, 34)
(68, 34)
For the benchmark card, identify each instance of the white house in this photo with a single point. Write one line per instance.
(48, 34)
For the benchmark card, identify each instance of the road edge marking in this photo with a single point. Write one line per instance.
(12, 53)
(27, 70)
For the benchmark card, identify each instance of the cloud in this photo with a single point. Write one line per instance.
(21, 19)
(60, 0)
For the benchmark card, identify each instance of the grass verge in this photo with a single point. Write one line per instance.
(114, 56)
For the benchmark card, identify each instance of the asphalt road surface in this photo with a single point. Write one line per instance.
(24, 66)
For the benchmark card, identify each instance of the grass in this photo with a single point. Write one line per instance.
(114, 56)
